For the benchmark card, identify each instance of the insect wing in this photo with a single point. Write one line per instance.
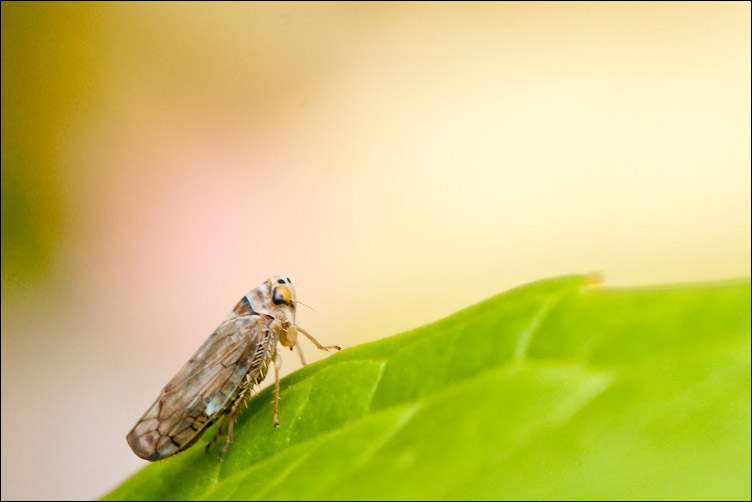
(192, 400)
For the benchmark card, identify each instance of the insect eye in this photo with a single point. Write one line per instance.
(281, 295)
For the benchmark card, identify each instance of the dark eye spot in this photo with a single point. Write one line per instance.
(281, 281)
(288, 280)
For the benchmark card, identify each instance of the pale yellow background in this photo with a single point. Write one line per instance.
(398, 161)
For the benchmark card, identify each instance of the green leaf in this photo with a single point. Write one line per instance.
(557, 389)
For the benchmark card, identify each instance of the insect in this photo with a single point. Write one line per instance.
(218, 379)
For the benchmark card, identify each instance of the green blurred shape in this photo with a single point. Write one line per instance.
(557, 389)
(48, 73)
(29, 221)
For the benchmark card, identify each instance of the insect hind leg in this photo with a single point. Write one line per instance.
(218, 433)
(229, 437)
(230, 417)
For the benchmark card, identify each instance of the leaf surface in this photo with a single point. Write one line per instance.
(557, 389)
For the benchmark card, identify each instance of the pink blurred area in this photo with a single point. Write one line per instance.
(397, 161)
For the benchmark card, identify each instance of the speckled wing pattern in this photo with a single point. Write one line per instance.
(205, 387)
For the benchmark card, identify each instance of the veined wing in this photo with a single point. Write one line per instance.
(194, 397)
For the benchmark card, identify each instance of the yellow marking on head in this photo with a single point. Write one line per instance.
(281, 295)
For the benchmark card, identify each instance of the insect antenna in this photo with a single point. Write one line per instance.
(306, 305)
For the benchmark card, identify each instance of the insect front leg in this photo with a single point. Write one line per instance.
(315, 342)
(277, 365)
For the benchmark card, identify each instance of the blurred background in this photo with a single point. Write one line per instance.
(398, 161)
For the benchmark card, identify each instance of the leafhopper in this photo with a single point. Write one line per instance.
(218, 379)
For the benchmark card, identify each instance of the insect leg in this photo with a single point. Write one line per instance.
(315, 342)
(218, 434)
(277, 364)
(300, 353)
(232, 415)
(229, 436)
